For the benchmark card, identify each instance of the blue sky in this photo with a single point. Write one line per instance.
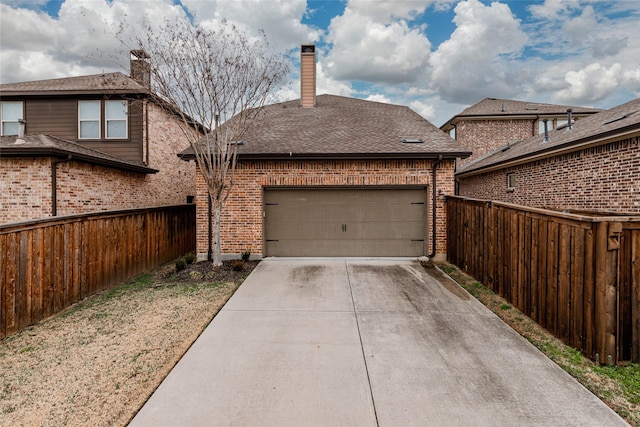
(436, 56)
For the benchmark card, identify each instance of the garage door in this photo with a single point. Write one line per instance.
(345, 222)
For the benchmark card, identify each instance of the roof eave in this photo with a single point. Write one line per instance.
(580, 144)
(62, 154)
(506, 116)
(54, 93)
(341, 156)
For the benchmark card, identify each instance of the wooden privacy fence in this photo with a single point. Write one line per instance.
(47, 265)
(576, 275)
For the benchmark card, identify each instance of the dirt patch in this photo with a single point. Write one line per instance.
(99, 361)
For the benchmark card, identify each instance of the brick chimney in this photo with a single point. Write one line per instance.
(307, 75)
(139, 67)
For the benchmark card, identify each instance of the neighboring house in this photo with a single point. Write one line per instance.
(89, 143)
(592, 166)
(335, 176)
(492, 123)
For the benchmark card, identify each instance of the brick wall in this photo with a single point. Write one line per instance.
(82, 187)
(242, 216)
(176, 179)
(483, 136)
(25, 189)
(604, 178)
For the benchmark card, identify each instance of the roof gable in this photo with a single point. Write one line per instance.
(617, 121)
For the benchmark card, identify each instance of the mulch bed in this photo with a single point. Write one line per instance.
(229, 271)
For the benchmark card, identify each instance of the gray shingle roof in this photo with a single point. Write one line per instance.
(495, 107)
(343, 127)
(506, 107)
(97, 83)
(617, 121)
(41, 145)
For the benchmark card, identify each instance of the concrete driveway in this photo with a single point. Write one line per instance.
(353, 342)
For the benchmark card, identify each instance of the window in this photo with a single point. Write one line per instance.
(116, 119)
(11, 112)
(89, 119)
(541, 126)
(511, 181)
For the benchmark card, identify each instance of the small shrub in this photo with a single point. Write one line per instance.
(181, 264)
(237, 265)
(190, 258)
(245, 255)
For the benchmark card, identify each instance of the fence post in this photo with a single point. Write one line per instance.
(607, 253)
(635, 297)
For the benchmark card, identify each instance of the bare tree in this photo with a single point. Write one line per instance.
(216, 81)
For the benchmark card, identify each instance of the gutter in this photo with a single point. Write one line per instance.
(186, 156)
(433, 208)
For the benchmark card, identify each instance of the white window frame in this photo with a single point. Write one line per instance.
(99, 120)
(17, 120)
(511, 181)
(107, 119)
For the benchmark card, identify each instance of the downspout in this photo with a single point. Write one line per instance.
(54, 184)
(434, 197)
(145, 107)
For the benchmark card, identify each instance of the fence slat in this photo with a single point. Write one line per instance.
(589, 294)
(564, 283)
(577, 288)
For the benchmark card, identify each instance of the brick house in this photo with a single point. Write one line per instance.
(593, 165)
(335, 176)
(492, 123)
(88, 143)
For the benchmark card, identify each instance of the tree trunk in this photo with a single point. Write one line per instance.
(216, 211)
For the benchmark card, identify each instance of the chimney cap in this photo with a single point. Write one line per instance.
(308, 48)
(140, 54)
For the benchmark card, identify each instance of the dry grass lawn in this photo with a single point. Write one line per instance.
(99, 361)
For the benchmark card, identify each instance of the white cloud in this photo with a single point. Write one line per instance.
(326, 84)
(378, 98)
(80, 41)
(588, 54)
(366, 50)
(580, 28)
(553, 9)
(592, 83)
(27, 4)
(280, 19)
(478, 56)
(608, 46)
(427, 111)
(384, 11)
